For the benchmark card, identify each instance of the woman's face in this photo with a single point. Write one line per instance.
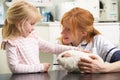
(68, 37)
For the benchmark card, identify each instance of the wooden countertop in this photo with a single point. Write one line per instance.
(60, 75)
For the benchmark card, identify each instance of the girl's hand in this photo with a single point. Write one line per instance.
(46, 66)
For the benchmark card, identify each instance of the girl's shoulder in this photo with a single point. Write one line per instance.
(12, 41)
(8, 41)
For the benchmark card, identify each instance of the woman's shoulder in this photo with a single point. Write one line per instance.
(101, 39)
(98, 36)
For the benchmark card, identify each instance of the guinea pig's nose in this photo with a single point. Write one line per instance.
(58, 60)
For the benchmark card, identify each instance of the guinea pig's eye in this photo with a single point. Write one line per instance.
(62, 56)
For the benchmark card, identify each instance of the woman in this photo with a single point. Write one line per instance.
(78, 30)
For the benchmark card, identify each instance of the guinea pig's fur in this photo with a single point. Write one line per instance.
(71, 63)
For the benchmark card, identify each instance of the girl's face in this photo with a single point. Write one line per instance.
(68, 37)
(28, 27)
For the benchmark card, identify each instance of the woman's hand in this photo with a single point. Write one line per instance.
(69, 55)
(83, 50)
(93, 65)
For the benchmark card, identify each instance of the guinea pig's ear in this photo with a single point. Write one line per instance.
(66, 55)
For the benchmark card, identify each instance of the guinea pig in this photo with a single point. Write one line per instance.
(71, 63)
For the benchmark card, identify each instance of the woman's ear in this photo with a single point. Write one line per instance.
(84, 33)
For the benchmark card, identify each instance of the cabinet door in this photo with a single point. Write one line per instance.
(110, 31)
(43, 32)
(3, 63)
(3, 59)
(54, 32)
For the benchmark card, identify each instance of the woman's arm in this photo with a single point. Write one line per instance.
(113, 67)
(94, 65)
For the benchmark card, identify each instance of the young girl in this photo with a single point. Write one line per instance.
(21, 43)
(78, 30)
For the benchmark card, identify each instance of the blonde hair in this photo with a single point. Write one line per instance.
(80, 19)
(17, 14)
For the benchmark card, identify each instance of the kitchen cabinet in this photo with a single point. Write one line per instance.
(43, 33)
(110, 31)
(54, 31)
(49, 31)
